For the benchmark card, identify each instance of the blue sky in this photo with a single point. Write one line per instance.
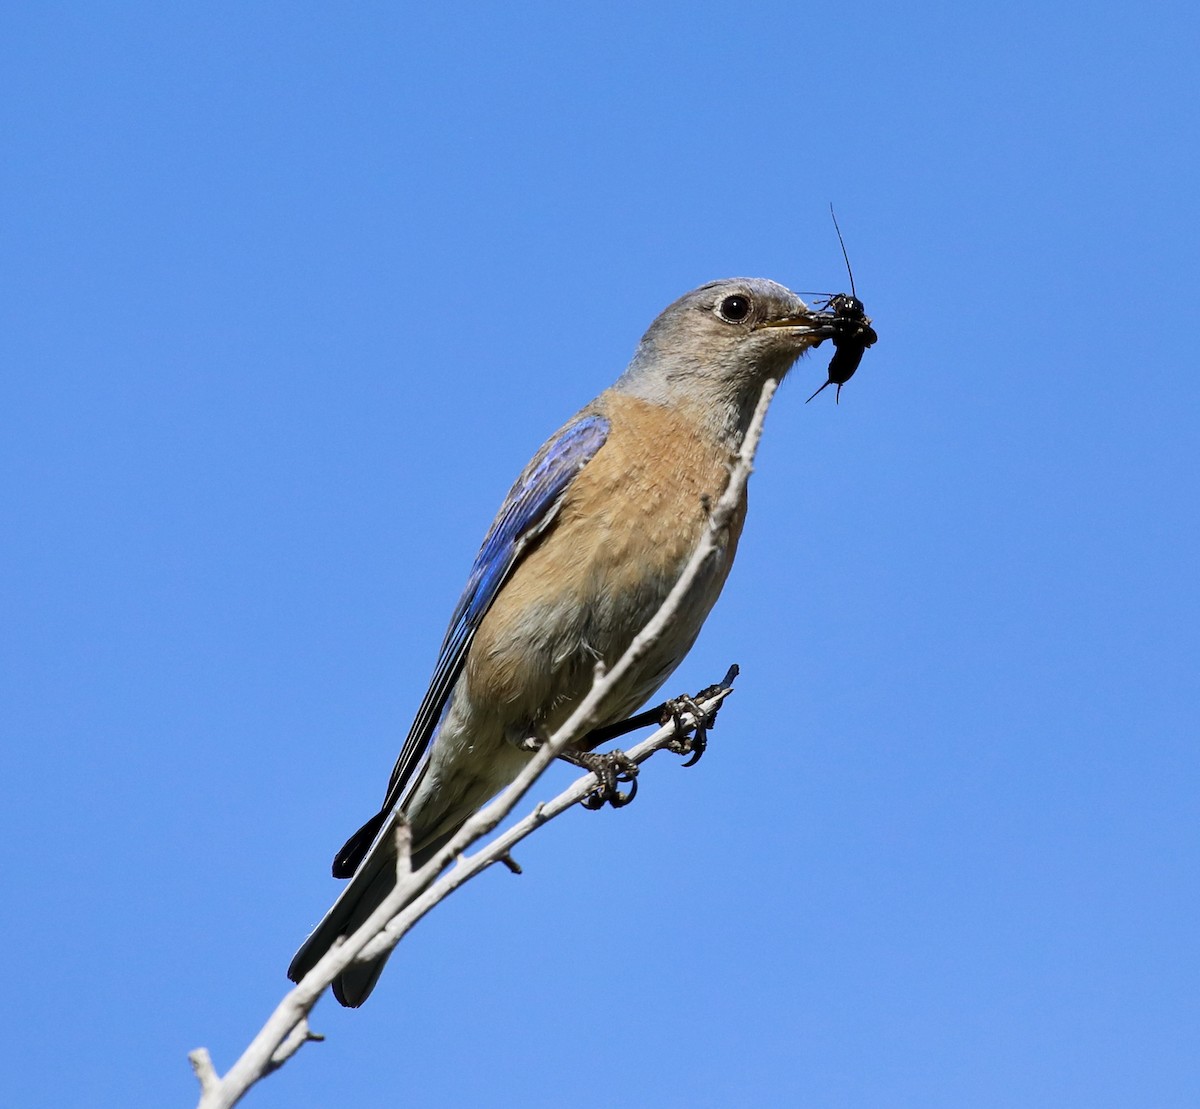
(291, 294)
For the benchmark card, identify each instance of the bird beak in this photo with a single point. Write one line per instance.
(819, 325)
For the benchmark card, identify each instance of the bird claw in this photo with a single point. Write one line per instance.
(696, 743)
(612, 769)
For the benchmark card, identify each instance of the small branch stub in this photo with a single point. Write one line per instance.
(206, 1073)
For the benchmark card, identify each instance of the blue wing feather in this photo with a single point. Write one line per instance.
(526, 512)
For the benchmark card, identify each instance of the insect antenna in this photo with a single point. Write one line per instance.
(842, 243)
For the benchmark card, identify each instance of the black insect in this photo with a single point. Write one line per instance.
(851, 329)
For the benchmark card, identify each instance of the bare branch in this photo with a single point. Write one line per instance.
(206, 1073)
(416, 892)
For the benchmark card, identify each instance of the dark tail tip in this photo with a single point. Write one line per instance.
(350, 857)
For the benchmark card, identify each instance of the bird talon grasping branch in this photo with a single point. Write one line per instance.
(696, 743)
(612, 768)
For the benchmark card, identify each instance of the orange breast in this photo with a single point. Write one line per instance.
(626, 527)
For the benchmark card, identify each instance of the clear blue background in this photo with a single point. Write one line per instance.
(291, 292)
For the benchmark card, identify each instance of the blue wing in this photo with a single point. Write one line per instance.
(527, 511)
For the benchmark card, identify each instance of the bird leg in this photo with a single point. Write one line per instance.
(615, 767)
(609, 732)
(655, 716)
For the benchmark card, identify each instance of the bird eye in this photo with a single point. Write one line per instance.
(734, 309)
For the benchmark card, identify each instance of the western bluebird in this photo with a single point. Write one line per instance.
(586, 546)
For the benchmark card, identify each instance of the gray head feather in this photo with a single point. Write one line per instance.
(715, 346)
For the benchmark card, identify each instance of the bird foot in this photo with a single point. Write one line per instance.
(696, 743)
(612, 768)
